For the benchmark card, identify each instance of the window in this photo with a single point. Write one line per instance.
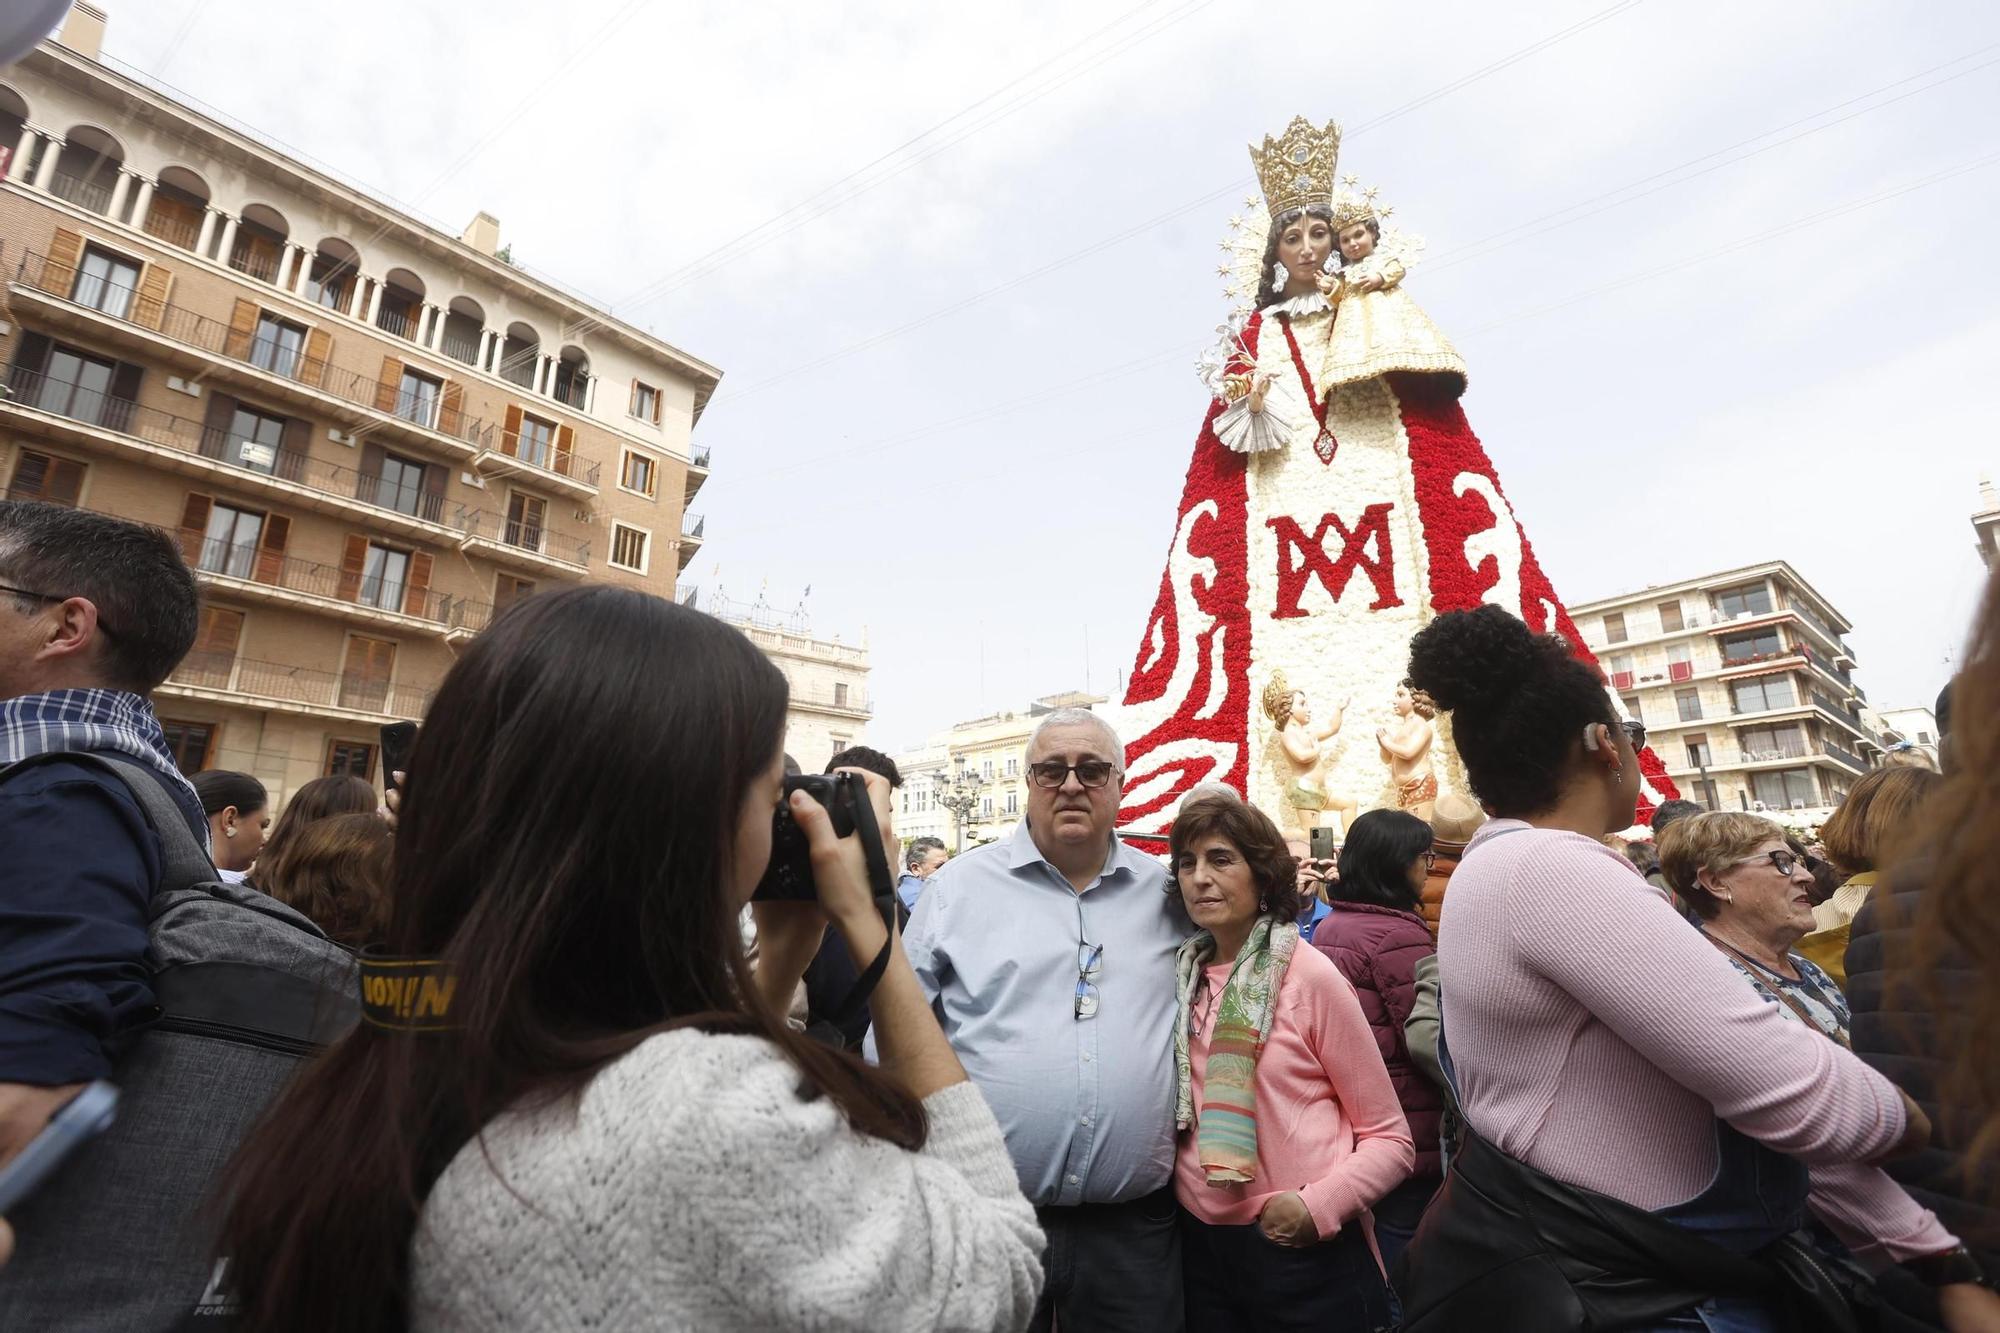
(1631, 702)
(1689, 704)
(1783, 789)
(638, 473)
(645, 402)
(277, 346)
(401, 485)
(350, 759)
(1923, 738)
(986, 771)
(79, 387)
(1014, 767)
(212, 660)
(40, 476)
(1786, 742)
(1698, 752)
(1765, 692)
(628, 547)
(1621, 664)
(105, 282)
(1752, 599)
(508, 590)
(190, 743)
(364, 684)
(253, 440)
(840, 694)
(537, 441)
(1013, 801)
(384, 577)
(229, 546)
(1614, 627)
(525, 515)
(1670, 617)
(1756, 646)
(417, 399)
(986, 807)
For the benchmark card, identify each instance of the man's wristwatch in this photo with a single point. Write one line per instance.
(1948, 1269)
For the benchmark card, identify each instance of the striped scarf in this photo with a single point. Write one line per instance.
(92, 720)
(1226, 1132)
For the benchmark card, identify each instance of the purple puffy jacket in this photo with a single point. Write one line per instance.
(1377, 949)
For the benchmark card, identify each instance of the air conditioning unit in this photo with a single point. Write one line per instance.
(339, 436)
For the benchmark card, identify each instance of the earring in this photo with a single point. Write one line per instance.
(1278, 275)
(229, 832)
(1727, 897)
(1617, 775)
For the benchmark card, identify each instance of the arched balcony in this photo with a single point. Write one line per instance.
(464, 323)
(399, 305)
(258, 249)
(571, 384)
(87, 168)
(333, 277)
(178, 204)
(520, 356)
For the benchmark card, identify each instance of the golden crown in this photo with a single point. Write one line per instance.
(1296, 168)
(1355, 204)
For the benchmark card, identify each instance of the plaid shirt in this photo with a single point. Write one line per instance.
(114, 720)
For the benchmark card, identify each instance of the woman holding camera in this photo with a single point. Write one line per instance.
(606, 1128)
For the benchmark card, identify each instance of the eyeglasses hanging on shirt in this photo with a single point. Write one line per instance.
(1089, 964)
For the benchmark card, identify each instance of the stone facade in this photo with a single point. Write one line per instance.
(370, 435)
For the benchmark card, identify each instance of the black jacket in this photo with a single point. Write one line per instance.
(1901, 1032)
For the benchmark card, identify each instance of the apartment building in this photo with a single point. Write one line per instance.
(983, 759)
(370, 434)
(829, 679)
(1986, 523)
(1745, 681)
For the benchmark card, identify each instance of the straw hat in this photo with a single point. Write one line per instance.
(1455, 817)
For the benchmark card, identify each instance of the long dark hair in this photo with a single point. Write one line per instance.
(1267, 290)
(565, 846)
(220, 788)
(1375, 860)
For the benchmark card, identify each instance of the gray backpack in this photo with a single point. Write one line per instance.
(121, 1238)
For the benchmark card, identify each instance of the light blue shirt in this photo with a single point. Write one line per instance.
(1087, 1105)
(907, 889)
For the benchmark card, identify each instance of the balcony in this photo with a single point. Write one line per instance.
(522, 544)
(119, 428)
(849, 700)
(254, 261)
(461, 349)
(697, 473)
(691, 530)
(561, 472)
(91, 192)
(276, 686)
(172, 225)
(255, 575)
(288, 369)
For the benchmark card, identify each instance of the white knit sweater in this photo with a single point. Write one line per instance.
(693, 1188)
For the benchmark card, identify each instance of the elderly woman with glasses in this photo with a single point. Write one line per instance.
(1290, 1128)
(1753, 897)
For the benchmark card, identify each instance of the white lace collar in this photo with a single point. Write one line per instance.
(1312, 303)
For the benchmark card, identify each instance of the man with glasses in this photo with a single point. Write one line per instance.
(1050, 958)
(94, 613)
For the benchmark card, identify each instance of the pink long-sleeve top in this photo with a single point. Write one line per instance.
(1596, 1037)
(1328, 1122)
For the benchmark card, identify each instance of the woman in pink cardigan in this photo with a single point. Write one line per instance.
(1290, 1127)
(1644, 1136)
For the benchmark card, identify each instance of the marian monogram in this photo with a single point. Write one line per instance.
(1302, 560)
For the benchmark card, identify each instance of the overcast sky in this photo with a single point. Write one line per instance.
(1666, 387)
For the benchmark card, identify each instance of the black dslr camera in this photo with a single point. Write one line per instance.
(789, 877)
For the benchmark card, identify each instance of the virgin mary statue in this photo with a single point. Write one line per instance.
(1336, 502)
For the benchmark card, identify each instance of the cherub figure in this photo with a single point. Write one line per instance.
(1406, 745)
(1301, 743)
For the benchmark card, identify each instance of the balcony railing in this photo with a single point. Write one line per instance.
(123, 417)
(254, 263)
(1750, 659)
(854, 698)
(543, 457)
(700, 457)
(284, 358)
(310, 577)
(1846, 756)
(465, 351)
(574, 391)
(180, 231)
(84, 191)
(306, 686)
(522, 534)
(402, 323)
(692, 525)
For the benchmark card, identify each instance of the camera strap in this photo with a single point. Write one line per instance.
(869, 830)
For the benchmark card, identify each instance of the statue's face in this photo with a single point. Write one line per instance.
(1400, 703)
(1300, 713)
(1304, 246)
(1356, 241)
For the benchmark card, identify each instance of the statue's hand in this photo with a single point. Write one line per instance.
(1328, 283)
(1260, 389)
(1369, 285)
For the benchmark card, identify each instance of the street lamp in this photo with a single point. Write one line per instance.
(959, 795)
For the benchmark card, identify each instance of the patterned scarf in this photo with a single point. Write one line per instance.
(113, 720)
(1226, 1135)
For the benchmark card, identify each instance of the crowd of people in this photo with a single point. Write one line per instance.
(537, 1045)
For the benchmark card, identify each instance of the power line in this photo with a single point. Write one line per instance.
(1097, 247)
